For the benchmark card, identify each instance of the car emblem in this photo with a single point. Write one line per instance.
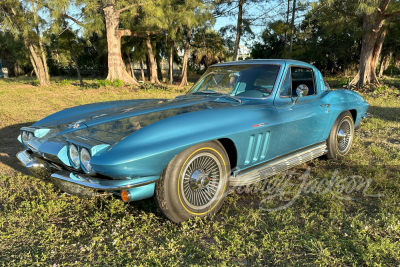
(74, 125)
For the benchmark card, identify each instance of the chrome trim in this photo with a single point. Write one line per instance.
(102, 184)
(44, 170)
(277, 166)
(38, 169)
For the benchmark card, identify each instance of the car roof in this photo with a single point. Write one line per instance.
(263, 61)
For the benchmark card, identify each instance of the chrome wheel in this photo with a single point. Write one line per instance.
(344, 136)
(201, 180)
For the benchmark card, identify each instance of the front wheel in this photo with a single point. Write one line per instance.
(341, 136)
(194, 183)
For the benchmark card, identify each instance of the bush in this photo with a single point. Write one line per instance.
(102, 83)
(117, 83)
(392, 70)
(35, 83)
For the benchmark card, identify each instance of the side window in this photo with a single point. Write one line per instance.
(286, 90)
(300, 76)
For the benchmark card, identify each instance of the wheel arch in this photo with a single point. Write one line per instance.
(231, 150)
(353, 114)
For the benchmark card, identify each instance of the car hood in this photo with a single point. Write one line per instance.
(110, 121)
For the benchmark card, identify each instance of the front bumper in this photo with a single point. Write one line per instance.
(77, 183)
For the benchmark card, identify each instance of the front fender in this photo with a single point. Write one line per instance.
(148, 151)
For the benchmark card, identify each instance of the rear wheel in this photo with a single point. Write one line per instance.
(194, 183)
(341, 136)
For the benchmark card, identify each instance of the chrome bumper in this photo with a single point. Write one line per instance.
(46, 171)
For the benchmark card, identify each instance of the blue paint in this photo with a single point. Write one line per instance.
(135, 139)
(141, 192)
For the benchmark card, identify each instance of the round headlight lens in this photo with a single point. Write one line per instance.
(30, 136)
(74, 156)
(85, 158)
(25, 136)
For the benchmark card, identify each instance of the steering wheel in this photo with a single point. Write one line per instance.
(263, 89)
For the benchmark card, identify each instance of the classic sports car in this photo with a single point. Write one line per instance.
(241, 123)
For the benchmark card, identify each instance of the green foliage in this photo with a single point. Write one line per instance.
(35, 83)
(64, 82)
(392, 70)
(103, 83)
(117, 83)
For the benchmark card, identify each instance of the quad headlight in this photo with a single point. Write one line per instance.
(74, 156)
(27, 136)
(85, 159)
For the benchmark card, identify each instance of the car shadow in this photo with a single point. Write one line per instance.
(385, 113)
(10, 146)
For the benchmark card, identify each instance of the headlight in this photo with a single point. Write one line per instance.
(85, 158)
(74, 156)
(30, 136)
(25, 136)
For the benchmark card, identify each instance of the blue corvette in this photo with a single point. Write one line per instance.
(241, 123)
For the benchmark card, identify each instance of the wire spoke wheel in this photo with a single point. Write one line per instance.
(201, 180)
(344, 136)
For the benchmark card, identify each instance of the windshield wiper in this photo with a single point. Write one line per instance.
(230, 97)
(206, 92)
(218, 94)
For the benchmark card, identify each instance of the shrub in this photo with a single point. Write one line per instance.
(117, 83)
(35, 83)
(392, 70)
(102, 83)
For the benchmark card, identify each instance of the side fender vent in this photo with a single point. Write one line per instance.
(257, 148)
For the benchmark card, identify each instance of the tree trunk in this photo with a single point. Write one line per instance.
(238, 31)
(287, 25)
(184, 81)
(128, 65)
(159, 67)
(37, 64)
(372, 25)
(71, 49)
(147, 67)
(292, 28)
(376, 53)
(142, 71)
(40, 44)
(171, 62)
(384, 64)
(116, 68)
(153, 68)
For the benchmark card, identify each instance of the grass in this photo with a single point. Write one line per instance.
(40, 226)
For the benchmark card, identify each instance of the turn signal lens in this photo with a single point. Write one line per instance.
(125, 195)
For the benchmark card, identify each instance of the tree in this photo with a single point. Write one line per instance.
(116, 68)
(207, 48)
(23, 22)
(374, 15)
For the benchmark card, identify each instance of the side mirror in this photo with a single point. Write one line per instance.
(301, 90)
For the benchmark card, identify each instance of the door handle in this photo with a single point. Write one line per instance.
(326, 105)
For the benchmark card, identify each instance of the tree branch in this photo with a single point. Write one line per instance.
(134, 34)
(126, 8)
(393, 14)
(71, 18)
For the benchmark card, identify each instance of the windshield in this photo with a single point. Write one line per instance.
(238, 80)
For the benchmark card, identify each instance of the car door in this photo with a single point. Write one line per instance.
(304, 122)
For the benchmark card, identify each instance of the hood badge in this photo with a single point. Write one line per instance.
(74, 125)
